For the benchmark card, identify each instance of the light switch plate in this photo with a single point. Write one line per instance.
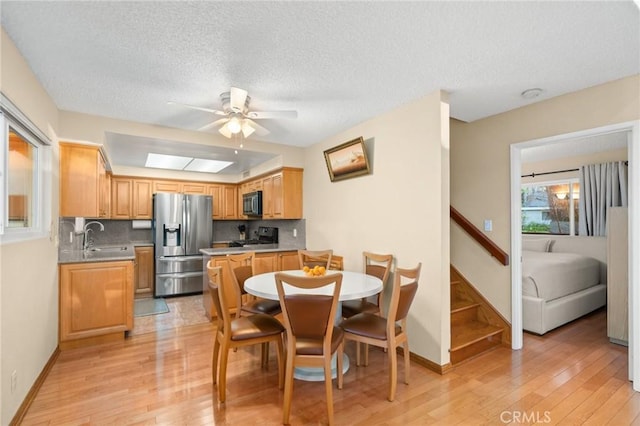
(488, 225)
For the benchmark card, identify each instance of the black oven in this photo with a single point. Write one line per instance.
(252, 203)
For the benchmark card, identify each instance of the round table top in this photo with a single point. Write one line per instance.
(355, 285)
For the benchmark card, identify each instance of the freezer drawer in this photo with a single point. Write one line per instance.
(179, 283)
(168, 265)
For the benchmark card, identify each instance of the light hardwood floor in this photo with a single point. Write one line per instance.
(570, 376)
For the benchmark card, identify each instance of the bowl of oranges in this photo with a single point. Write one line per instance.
(316, 271)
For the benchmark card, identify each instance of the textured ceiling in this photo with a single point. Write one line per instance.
(336, 63)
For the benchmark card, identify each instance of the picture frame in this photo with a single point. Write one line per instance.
(347, 160)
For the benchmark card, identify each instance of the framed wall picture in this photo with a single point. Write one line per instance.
(347, 160)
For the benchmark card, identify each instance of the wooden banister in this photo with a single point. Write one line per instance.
(479, 236)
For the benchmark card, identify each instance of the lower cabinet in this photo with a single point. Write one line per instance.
(96, 301)
(288, 261)
(143, 272)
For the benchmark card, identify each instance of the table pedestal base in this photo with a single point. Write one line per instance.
(311, 374)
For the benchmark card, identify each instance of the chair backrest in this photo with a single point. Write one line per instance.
(378, 265)
(218, 297)
(337, 263)
(402, 296)
(312, 258)
(242, 266)
(308, 309)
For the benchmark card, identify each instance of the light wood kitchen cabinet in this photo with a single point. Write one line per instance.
(281, 194)
(197, 188)
(84, 183)
(121, 196)
(142, 200)
(166, 186)
(225, 201)
(131, 198)
(288, 260)
(266, 262)
(143, 272)
(96, 300)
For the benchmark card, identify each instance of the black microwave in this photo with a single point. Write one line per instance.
(252, 203)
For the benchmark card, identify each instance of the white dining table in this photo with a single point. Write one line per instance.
(355, 285)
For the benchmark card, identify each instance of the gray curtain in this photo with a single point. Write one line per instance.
(601, 186)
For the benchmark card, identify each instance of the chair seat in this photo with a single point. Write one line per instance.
(262, 306)
(314, 346)
(368, 325)
(254, 326)
(353, 307)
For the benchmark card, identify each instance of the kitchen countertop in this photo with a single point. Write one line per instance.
(258, 248)
(111, 253)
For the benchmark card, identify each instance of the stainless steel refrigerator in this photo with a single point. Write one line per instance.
(182, 226)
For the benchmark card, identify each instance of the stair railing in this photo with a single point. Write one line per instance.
(493, 249)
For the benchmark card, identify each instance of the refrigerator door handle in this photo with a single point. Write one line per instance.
(178, 258)
(180, 274)
(186, 219)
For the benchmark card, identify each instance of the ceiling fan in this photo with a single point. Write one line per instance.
(237, 116)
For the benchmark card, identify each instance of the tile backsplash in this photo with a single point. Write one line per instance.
(123, 231)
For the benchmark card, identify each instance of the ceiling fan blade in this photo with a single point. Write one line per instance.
(258, 128)
(213, 124)
(272, 114)
(214, 111)
(237, 99)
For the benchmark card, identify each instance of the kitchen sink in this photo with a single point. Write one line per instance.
(108, 248)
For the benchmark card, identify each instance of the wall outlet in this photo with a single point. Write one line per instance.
(14, 381)
(295, 232)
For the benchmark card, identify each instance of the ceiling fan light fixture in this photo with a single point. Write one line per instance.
(247, 130)
(234, 125)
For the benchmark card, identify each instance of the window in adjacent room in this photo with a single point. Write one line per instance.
(25, 195)
(550, 207)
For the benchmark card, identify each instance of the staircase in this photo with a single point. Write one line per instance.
(476, 326)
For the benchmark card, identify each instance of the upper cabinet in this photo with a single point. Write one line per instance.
(281, 194)
(84, 182)
(131, 198)
(225, 201)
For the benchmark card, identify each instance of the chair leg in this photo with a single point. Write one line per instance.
(357, 354)
(214, 360)
(366, 354)
(280, 355)
(327, 387)
(339, 355)
(288, 388)
(407, 362)
(264, 354)
(222, 386)
(393, 372)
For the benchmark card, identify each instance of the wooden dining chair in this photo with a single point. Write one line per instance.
(377, 265)
(312, 337)
(312, 258)
(242, 266)
(375, 330)
(240, 331)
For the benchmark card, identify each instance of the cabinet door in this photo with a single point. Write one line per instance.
(288, 261)
(266, 262)
(230, 202)
(267, 198)
(194, 188)
(95, 299)
(79, 181)
(144, 276)
(166, 186)
(104, 190)
(142, 199)
(217, 209)
(121, 198)
(277, 196)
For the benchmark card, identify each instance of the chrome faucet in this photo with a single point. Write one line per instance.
(86, 242)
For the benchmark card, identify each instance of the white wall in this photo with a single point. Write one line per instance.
(28, 271)
(480, 174)
(402, 208)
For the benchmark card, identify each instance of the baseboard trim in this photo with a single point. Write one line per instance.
(428, 364)
(31, 395)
